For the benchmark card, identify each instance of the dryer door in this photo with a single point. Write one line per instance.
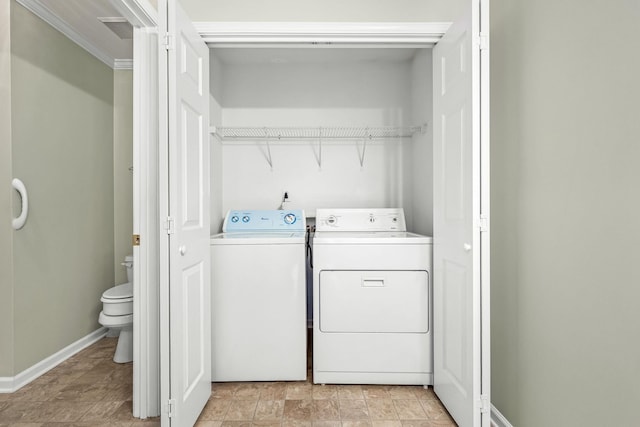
(361, 301)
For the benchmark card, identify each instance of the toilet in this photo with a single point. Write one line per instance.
(117, 314)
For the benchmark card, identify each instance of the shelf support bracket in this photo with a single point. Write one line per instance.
(367, 136)
(266, 138)
(320, 148)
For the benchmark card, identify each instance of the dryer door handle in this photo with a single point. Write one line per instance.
(377, 282)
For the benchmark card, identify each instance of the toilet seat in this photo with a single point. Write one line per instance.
(115, 321)
(118, 301)
(118, 293)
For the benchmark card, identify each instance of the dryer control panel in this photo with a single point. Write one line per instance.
(378, 219)
(264, 221)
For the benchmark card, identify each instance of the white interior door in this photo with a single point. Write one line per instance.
(188, 305)
(460, 349)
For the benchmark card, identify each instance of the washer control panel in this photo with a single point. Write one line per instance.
(379, 219)
(264, 221)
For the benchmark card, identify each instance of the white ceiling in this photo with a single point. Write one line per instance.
(78, 19)
(311, 55)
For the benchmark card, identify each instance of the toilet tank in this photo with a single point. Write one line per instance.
(128, 263)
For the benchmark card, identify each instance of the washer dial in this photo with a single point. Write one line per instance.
(289, 219)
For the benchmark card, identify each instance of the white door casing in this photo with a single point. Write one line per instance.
(460, 348)
(186, 312)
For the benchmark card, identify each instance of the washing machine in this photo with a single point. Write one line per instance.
(372, 295)
(258, 297)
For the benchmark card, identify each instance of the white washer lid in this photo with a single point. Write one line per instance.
(259, 238)
(118, 292)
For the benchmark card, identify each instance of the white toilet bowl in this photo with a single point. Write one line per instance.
(117, 314)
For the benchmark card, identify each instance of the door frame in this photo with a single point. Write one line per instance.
(349, 34)
(386, 34)
(146, 348)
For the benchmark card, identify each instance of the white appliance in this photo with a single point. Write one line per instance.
(372, 299)
(258, 297)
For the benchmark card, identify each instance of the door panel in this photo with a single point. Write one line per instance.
(188, 315)
(459, 350)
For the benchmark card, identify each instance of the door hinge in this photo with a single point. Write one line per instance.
(482, 41)
(169, 225)
(169, 41)
(171, 407)
(485, 406)
(483, 224)
(135, 240)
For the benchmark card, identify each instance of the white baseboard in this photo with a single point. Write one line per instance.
(497, 419)
(11, 384)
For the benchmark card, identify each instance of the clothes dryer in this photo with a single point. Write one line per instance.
(372, 299)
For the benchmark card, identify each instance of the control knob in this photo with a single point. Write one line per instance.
(289, 218)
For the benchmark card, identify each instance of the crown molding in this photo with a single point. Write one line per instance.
(44, 13)
(139, 12)
(123, 64)
(418, 34)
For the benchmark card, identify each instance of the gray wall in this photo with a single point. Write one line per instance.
(6, 193)
(565, 211)
(122, 176)
(62, 148)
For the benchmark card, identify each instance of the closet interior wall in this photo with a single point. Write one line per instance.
(322, 87)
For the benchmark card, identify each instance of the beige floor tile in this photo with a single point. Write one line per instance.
(273, 391)
(37, 392)
(434, 409)
(356, 423)
(90, 390)
(247, 391)
(326, 410)
(426, 394)
(101, 411)
(416, 423)
(323, 423)
(208, 423)
(402, 392)
(269, 410)
(350, 392)
(295, 423)
(123, 412)
(215, 410)
(409, 410)
(324, 391)
(83, 393)
(353, 409)
(223, 390)
(117, 392)
(266, 423)
(381, 409)
(241, 410)
(376, 392)
(386, 423)
(15, 411)
(298, 410)
(298, 391)
(60, 412)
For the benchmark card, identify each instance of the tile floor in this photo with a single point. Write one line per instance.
(91, 390)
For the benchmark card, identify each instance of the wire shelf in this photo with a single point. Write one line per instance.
(359, 134)
(305, 133)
